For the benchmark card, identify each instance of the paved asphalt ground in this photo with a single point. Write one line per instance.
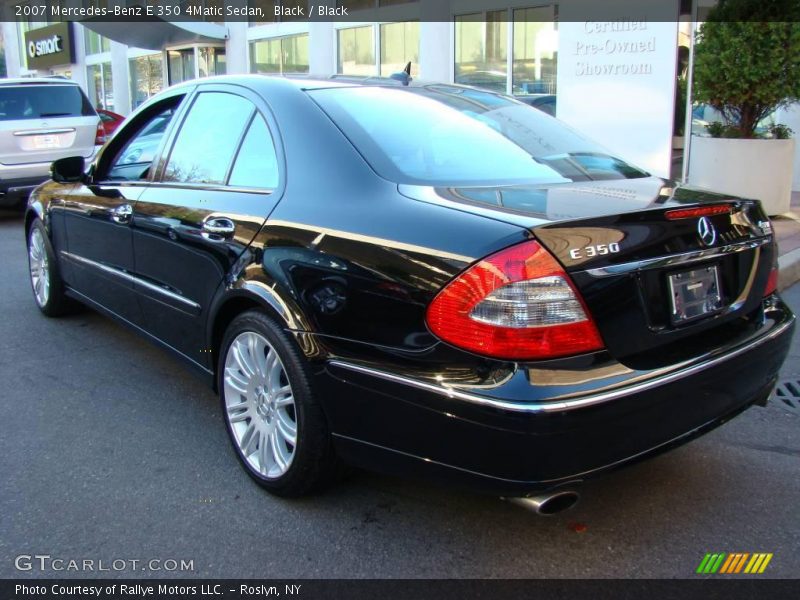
(110, 450)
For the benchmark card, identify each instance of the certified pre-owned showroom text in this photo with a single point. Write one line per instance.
(46, 562)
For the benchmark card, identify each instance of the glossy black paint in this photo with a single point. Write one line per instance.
(349, 261)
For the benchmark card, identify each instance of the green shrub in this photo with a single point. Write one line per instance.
(747, 61)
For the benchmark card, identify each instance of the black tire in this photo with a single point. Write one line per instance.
(314, 463)
(55, 302)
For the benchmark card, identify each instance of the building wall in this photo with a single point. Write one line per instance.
(436, 61)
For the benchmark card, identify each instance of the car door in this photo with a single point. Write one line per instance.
(213, 192)
(98, 214)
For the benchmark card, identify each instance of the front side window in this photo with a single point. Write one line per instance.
(133, 161)
(448, 135)
(256, 164)
(208, 139)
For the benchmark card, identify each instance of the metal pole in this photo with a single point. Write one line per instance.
(687, 128)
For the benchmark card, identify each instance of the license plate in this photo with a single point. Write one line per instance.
(43, 142)
(694, 294)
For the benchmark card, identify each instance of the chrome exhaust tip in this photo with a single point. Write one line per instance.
(549, 503)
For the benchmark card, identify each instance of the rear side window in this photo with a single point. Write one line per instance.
(43, 102)
(256, 164)
(208, 138)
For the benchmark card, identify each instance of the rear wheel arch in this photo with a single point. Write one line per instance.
(31, 214)
(248, 297)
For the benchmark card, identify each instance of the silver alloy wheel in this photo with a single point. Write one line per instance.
(40, 269)
(259, 405)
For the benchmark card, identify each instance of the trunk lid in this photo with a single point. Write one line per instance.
(631, 259)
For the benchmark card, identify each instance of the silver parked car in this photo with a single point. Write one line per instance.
(41, 120)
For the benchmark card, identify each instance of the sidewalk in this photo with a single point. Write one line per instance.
(787, 233)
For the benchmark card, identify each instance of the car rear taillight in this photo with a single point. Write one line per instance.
(517, 304)
(100, 135)
(772, 280)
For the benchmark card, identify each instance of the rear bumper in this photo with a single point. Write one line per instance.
(12, 190)
(488, 442)
(17, 181)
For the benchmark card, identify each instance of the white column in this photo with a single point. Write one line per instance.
(321, 48)
(435, 50)
(79, 66)
(120, 78)
(790, 116)
(12, 45)
(236, 47)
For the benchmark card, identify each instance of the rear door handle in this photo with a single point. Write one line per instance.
(122, 213)
(218, 228)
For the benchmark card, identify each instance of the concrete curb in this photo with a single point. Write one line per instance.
(789, 269)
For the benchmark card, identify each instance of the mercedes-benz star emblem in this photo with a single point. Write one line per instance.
(705, 228)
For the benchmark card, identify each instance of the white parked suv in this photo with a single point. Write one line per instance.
(41, 120)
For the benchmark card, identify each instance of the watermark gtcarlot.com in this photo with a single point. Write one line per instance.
(45, 563)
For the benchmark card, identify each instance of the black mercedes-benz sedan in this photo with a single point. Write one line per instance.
(423, 279)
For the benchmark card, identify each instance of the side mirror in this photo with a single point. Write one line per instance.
(68, 170)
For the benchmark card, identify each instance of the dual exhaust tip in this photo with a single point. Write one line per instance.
(549, 503)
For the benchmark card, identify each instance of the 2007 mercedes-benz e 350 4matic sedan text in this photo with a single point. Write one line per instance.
(420, 278)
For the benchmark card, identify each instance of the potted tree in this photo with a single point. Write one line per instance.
(747, 64)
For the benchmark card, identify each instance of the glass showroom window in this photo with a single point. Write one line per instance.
(482, 50)
(356, 51)
(96, 43)
(181, 65)
(100, 85)
(399, 45)
(211, 61)
(147, 77)
(482, 47)
(280, 55)
(535, 51)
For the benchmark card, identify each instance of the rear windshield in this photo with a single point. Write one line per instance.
(30, 101)
(450, 135)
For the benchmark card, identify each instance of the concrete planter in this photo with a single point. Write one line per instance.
(760, 169)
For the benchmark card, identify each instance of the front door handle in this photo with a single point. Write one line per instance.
(218, 228)
(122, 214)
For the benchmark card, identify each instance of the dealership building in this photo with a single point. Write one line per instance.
(611, 72)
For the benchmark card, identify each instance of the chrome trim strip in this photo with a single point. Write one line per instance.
(676, 259)
(28, 132)
(684, 370)
(128, 277)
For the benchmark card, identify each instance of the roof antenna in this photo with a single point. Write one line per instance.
(403, 76)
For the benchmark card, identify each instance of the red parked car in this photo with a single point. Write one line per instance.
(109, 121)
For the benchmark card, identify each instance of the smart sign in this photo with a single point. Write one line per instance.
(49, 46)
